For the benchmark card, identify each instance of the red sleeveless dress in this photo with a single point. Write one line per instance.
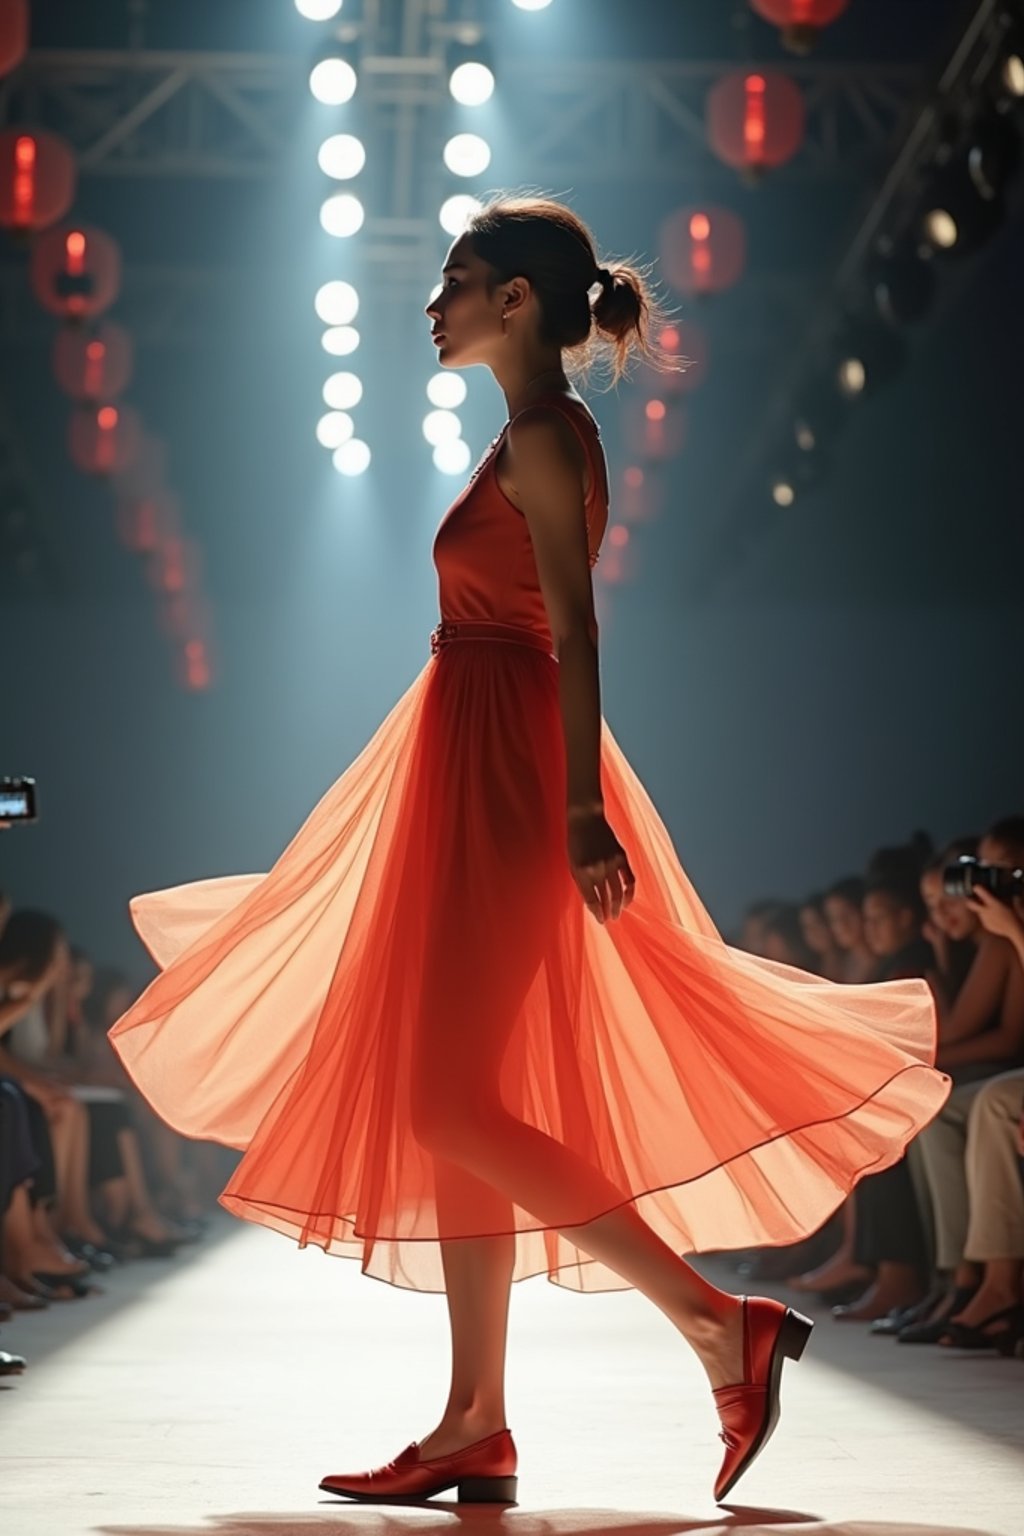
(411, 1023)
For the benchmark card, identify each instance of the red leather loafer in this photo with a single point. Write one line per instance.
(749, 1409)
(483, 1473)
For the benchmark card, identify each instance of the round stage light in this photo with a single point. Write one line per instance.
(452, 458)
(343, 391)
(531, 5)
(335, 428)
(471, 84)
(337, 303)
(333, 82)
(352, 458)
(457, 211)
(852, 376)
(340, 340)
(783, 492)
(441, 427)
(467, 154)
(447, 391)
(318, 10)
(342, 215)
(342, 156)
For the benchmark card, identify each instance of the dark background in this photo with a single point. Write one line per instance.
(853, 678)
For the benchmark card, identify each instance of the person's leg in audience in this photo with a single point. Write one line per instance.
(841, 1269)
(942, 1148)
(74, 1216)
(890, 1243)
(995, 1230)
(126, 1201)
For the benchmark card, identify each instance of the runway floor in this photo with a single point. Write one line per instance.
(209, 1394)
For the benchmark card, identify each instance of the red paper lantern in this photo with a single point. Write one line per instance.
(13, 34)
(654, 428)
(76, 271)
(38, 179)
(703, 250)
(93, 364)
(800, 20)
(104, 439)
(146, 522)
(147, 473)
(687, 342)
(755, 120)
(175, 567)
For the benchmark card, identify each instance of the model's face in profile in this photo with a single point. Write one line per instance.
(465, 317)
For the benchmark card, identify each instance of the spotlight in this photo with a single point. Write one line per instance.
(868, 356)
(1011, 70)
(441, 427)
(447, 391)
(456, 213)
(352, 458)
(452, 458)
(340, 340)
(333, 79)
(318, 10)
(342, 215)
(956, 216)
(467, 154)
(342, 156)
(343, 391)
(337, 303)
(902, 286)
(470, 73)
(531, 5)
(783, 491)
(335, 428)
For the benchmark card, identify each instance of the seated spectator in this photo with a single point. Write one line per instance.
(843, 911)
(829, 958)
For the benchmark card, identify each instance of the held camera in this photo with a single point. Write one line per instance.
(968, 875)
(18, 799)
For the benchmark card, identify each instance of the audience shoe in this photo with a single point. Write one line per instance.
(966, 1336)
(930, 1333)
(98, 1259)
(11, 1365)
(749, 1409)
(903, 1317)
(483, 1473)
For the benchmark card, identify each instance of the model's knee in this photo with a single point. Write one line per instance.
(450, 1124)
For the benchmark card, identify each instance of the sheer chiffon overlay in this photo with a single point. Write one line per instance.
(414, 1030)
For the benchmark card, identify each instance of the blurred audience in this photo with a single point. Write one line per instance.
(90, 1177)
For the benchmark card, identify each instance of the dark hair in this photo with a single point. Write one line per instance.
(898, 888)
(27, 942)
(815, 900)
(1010, 832)
(905, 862)
(784, 922)
(533, 236)
(850, 888)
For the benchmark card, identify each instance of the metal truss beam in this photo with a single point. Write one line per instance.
(234, 115)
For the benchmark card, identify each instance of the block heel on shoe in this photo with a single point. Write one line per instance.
(488, 1490)
(749, 1409)
(482, 1473)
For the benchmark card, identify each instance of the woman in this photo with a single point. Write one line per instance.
(433, 1061)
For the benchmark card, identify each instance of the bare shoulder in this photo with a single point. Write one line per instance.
(540, 440)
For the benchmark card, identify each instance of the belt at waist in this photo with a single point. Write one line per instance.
(485, 629)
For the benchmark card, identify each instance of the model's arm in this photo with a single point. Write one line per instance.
(545, 463)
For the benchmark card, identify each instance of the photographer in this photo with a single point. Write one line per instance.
(981, 1038)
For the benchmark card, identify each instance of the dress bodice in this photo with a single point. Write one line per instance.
(483, 551)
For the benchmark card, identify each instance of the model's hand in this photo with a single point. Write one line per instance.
(997, 916)
(599, 865)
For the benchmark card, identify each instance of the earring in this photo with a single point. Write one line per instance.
(504, 322)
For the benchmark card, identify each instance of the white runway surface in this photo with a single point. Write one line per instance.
(209, 1394)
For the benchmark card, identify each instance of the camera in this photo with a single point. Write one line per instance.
(18, 800)
(968, 875)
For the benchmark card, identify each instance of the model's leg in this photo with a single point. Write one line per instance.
(478, 1280)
